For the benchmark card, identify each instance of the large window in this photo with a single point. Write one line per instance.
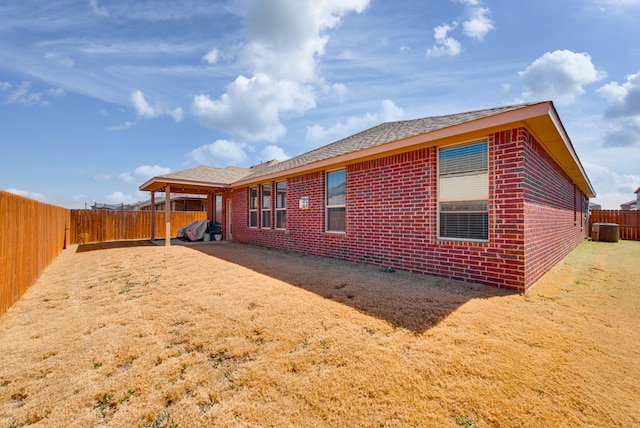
(281, 205)
(464, 192)
(336, 191)
(265, 207)
(253, 207)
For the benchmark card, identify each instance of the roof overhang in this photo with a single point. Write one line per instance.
(541, 120)
(159, 184)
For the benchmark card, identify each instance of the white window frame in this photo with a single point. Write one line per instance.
(253, 207)
(265, 208)
(329, 207)
(281, 210)
(464, 187)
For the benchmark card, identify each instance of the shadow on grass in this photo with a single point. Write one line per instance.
(113, 244)
(411, 301)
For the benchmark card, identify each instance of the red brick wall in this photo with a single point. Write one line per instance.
(392, 217)
(554, 212)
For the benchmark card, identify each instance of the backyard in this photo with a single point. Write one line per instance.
(229, 335)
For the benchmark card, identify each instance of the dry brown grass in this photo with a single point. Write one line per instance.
(232, 335)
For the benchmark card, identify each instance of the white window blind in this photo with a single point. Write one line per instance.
(463, 192)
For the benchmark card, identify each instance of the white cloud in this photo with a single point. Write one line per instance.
(319, 135)
(27, 194)
(25, 96)
(142, 174)
(476, 26)
(284, 41)
(620, 186)
(212, 56)
(273, 152)
(5, 86)
(120, 198)
(479, 24)
(251, 108)
(219, 153)
(623, 99)
(445, 46)
(560, 76)
(144, 109)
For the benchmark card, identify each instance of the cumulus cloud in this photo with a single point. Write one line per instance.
(27, 194)
(211, 57)
(476, 26)
(388, 112)
(623, 99)
(620, 186)
(142, 174)
(479, 24)
(251, 108)
(146, 110)
(25, 96)
(560, 76)
(120, 198)
(284, 40)
(445, 46)
(273, 152)
(219, 153)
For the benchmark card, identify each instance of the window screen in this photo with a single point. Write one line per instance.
(464, 192)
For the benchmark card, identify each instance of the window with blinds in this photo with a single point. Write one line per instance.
(463, 192)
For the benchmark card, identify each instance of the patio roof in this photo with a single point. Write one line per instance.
(200, 179)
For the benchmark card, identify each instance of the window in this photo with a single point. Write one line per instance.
(464, 192)
(253, 207)
(265, 207)
(281, 205)
(336, 191)
(218, 208)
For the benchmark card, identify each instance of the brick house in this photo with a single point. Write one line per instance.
(494, 196)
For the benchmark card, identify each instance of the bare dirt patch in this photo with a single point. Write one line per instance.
(233, 335)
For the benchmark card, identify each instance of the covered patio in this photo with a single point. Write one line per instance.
(201, 180)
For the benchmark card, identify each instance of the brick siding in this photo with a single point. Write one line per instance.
(391, 206)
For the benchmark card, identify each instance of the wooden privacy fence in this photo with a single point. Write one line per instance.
(628, 222)
(104, 225)
(32, 234)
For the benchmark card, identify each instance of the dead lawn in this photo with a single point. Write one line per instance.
(237, 336)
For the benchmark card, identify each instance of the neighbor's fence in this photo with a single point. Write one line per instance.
(32, 234)
(105, 225)
(628, 222)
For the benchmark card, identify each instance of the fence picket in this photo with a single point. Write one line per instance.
(628, 222)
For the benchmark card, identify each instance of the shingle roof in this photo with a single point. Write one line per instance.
(381, 134)
(208, 174)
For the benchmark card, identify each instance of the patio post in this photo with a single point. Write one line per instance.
(167, 216)
(153, 216)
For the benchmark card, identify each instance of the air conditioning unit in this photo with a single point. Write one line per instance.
(605, 232)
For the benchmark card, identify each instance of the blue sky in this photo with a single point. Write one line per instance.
(98, 96)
